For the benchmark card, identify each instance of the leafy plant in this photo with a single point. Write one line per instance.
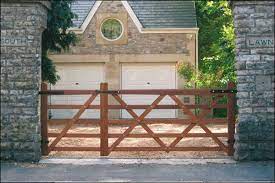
(216, 47)
(56, 37)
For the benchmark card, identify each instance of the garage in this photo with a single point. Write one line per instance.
(148, 76)
(76, 76)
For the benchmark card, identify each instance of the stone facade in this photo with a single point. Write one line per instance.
(137, 43)
(254, 27)
(133, 47)
(22, 24)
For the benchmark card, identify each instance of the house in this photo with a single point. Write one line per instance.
(130, 45)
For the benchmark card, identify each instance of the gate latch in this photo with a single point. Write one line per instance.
(107, 91)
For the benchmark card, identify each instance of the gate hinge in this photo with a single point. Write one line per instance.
(51, 92)
(45, 141)
(230, 141)
(223, 91)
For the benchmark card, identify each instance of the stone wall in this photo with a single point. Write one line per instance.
(22, 24)
(254, 27)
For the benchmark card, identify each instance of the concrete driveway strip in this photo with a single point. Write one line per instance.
(139, 171)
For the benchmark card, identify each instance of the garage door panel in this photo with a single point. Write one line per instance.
(148, 76)
(77, 76)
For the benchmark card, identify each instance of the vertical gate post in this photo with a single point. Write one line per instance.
(104, 151)
(231, 118)
(44, 120)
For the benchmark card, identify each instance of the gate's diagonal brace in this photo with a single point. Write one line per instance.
(189, 128)
(72, 121)
(138, 121)
(197, 121)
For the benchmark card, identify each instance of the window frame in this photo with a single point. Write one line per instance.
(122, 29)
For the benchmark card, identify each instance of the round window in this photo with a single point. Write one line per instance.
(111, 29)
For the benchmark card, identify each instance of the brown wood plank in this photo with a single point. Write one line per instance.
(170, 149)
(205, 92)
(139, 149)
(72, 121)
(104, 151)
(75, 149)
(216, 121)
(198, 121)
(76, 135)
(190, 115)
(142, 121)
(161, 135)
(138, 120)
(167, 121)
(183, 134)
(60, 106)
(201, 123)
(231, 118)
(44, 119)
(132, 126)
(167, 92)
(69, 92)
(80, 121)
(216, 139)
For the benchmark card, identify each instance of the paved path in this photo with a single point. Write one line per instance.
(139, 172)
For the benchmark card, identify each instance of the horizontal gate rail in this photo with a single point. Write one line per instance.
(139, 149)
(206, 92)
(68, 92)
(218, 106)
(194, 120)
(216, 121)
(166, 135)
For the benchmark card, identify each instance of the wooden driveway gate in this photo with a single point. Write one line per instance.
(196, 118)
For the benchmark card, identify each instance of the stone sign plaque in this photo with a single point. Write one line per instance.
(13, 41)
(260, 42)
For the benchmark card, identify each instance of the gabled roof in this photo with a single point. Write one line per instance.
(81, 8)
(149, 16)
(165, 14)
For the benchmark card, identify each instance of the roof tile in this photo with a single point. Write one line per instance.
(151, 14)
(81, 8)
(165, 14)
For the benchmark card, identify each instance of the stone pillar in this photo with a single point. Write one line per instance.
(254, 28)
(22, 24)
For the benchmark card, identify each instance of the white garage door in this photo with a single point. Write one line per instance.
(149, 76)
(77, 76)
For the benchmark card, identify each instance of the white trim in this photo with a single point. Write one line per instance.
(90, 15)
(87, 19)
(122, 31)
(136, 21)
(132, 15)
